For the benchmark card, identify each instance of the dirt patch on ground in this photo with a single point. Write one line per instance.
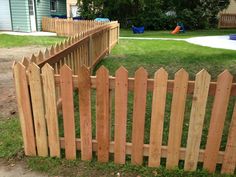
(8, 105)
(17, 169)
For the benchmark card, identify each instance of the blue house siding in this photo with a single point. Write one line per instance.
(42, 9)
(20, 15)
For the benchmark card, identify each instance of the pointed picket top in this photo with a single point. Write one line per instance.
(18, 66)
(161, 72)
(203, 74)
(25, 62)
(181, 74)
(57, 48)
(65, 69)
(33, 59)
(52, 50)
(47, 68)
(77, 37)
(102, 70)
(66, 43)
(40, 56)
(46, 53)
(61, 45)
(225, 75)
(141, 72)
(121, 71)
(33, 68)
(69, 41)
(83, 69)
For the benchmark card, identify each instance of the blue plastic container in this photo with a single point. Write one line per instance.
(232, 36)
(138, 30)
(102, 20)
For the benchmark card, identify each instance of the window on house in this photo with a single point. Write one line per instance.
(53, 5)
(31, 7)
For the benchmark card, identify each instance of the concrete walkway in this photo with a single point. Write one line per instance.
(221, 42)
(150, 38)
(29, 34)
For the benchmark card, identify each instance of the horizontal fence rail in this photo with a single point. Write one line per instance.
(88, 126)
(227, 21)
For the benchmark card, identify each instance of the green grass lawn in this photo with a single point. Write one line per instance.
(11, 147)
(172, 55)
(132, 54)
(20, 41)
(188, 34)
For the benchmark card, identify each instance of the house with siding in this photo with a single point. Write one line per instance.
(26, 15)
(231, 8)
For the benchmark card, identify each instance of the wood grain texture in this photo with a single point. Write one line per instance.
(51, 110)
(229, 161)
(139, 109)
(218, 114)
(199, 102)
(102, 114)
(24, 108)
(176, 118)
(157, 119)
(68, 112)
(121, 96)
(85, 113)
(36, 91)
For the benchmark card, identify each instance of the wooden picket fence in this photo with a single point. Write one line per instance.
(227, 21)
(39, 107)
(45, 87)
(86, 48)
(68, 27)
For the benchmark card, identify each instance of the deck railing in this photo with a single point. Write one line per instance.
(227, 21)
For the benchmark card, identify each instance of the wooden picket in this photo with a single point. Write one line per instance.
(102, 117)
(199, 102)
(85, 113)
(229, 161)
(121, 96)
(24, 108)
(176, 118)
(223, 89)
(139, 110)
(157, 120)
(68, 112)
(36, 91)
(51, 110)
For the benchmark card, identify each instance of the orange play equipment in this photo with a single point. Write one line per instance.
(176, 30)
